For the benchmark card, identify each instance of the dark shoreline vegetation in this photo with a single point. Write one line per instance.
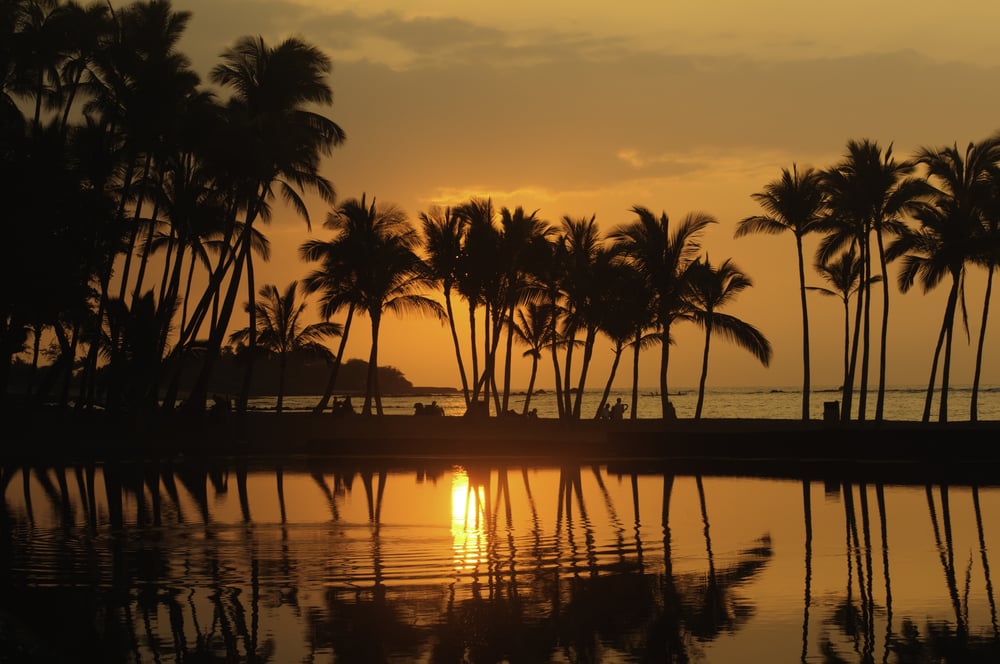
(147, 189)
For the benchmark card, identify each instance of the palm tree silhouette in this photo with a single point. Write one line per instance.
(710, 289)
(371, 266)
(869, 192)
(443, 237)
(283, 332)
(843, 273)
(794, 202)
(664, 259)
(531, 326)
(950, 237)
(282, 141)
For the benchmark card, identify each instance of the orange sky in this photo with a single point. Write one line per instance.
(590, 108)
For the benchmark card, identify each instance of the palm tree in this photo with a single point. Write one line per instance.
(951, 235)
(532, 327)
(794, 202)
(282, 329)
(282, 142)
(843, 273)
(712, 288)
(372, 268)
(663, 257)
(869, 192)
(443, 237)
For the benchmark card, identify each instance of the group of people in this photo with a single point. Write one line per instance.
(615, 412)
(430, 409)
(343, 407)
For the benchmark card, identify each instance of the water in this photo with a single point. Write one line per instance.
(321, 561)
(901, 403)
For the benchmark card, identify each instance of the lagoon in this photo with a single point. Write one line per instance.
(305, 559)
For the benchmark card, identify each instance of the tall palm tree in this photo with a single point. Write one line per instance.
(843, 273)
(443, 237)
(372, 267)
(951, 236)
(282, 329)
(274, 89)
(664, 257)
(793, 202)
(869, 192)
(711, 289)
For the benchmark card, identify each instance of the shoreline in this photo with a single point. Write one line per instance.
(96, 436)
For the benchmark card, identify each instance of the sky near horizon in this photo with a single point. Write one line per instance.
(584, 109)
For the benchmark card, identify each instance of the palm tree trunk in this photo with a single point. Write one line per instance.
(331, 383)
(282, 363)
(635, 373)
(806, 379)
(664, 364)
(531, 383)
(458, 346)
(611, 379)
(848, 387)
(568, 393)
(252, 337)
(883, 340)
(557, 375)
(866, 335)
(929, 398)
(507, 359)
(147, 247)
(704, 370)
(475, 351)
(133, 233)
(946, 369)
(974, 405)
(372, 392)
(588, 353)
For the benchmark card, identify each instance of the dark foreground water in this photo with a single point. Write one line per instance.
(320, 561)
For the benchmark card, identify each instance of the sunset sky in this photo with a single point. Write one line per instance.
(587, 109)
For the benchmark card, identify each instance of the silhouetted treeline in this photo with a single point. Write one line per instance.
(136, 192)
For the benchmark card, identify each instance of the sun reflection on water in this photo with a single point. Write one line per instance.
(468, 520)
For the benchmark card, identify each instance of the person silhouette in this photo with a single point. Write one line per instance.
(618, 410)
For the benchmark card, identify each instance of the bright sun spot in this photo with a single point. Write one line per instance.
(467, 522)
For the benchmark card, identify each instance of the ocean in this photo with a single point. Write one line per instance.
(904, 403)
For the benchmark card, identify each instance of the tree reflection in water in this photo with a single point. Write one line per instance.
(536, 577)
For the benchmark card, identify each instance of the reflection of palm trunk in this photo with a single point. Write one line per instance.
(279, 477)
(946, 553)
(986, 562)
(870, 604)
(807, 516)
(880, 494)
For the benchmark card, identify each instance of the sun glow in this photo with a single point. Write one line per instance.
(468, 520)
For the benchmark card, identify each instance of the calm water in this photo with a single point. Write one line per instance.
(317, 561)
(901, 403)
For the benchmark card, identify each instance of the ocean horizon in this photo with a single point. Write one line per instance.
(902, 403)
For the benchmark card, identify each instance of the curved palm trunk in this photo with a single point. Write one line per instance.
(567, 372)
(806, 379)
(531, 383)
(974, 405)
(619, 347)
(133, 233)
(252, 337)
(372, 391)
(635, 374)
(704, 369)
(475, 351)
(847, 340)
(883, 339)
(458, 346)
(557, 376)
(146, 248)
(199, 392)
(866, 335)
(944, 342)
(848, 387)
(507, 360)
(331, 382)
(664, 364)
(588, 353)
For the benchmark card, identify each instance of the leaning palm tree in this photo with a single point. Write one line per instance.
(274, 89)
(663, 257)
(282, 330)
(712, 288)
(794, 202)
(951, 236)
